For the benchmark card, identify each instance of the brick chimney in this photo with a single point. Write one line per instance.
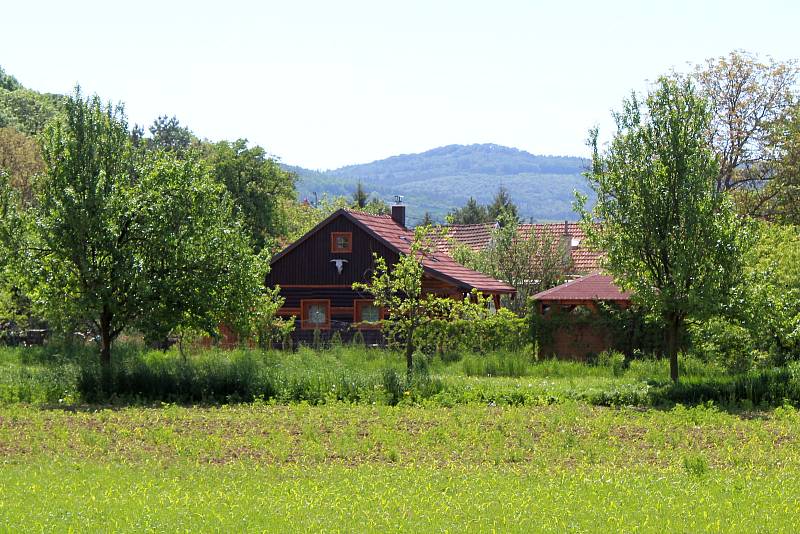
(566, 243)
(399, 211)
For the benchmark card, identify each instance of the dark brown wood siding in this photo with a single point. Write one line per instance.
(309, 264)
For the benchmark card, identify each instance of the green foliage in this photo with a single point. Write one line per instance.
(360, 197)
(471, 213)
(432, 324)
(8, 82)
(457, 326)
(168, 135)
(612, 360)
(502, 207)
(767, 300)
(399, 290)
(261, 322)
(780, 199)
(368, 376)
(120, 238)
(257, 184)
(530, 263)
(726, 343)
(26, 110)
(669, 236)
(496, 364)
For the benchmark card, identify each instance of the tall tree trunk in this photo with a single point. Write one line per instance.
(105, 348)
(674, 323)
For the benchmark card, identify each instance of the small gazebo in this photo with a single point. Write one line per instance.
(575, 303)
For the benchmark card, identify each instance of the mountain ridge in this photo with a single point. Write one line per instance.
(443, 178)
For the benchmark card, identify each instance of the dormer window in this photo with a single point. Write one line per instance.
(341, 242)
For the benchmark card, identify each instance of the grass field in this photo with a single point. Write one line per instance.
(342, 467)
(337, 441)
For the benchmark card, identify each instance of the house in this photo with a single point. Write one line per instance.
(582, 260)
(572, 310)
(316, 273)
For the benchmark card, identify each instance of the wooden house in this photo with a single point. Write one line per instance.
(316, 273)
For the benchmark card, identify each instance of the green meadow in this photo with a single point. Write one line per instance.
(343, 441)
(353, 468)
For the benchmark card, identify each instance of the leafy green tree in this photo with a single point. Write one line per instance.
(399, 290)
(376, 206)
(120, 238)
(471, 213)
(770, 292)
(8, 82)
(780, 198)
(168, 134)
(360, 197)
(668, 234)
(502, 206)
(530, 262)
(257, 184)
(427, 219)
(13, 305)
(26, 110)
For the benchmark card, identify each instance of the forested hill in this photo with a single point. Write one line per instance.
(444, 178)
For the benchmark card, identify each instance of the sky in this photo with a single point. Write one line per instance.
(329, 83)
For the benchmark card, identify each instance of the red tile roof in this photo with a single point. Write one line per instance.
(439, 264)
(592, 287)
(478, 237)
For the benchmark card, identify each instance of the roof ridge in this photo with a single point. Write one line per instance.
(361, 212)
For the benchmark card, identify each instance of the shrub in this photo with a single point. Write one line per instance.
(614, 361)
(726, 343)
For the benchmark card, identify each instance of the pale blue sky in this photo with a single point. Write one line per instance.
(324, 84)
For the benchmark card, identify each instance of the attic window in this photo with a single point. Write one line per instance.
(341, 242)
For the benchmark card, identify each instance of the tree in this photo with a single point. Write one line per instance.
(120, 238)
(168, 134)
(783, 191)
(502, 205)
(746, 97)
(21, 158)
(427, 219)
(471, 213)
(667, 232)
(8, 82)
(530, 262)
(360, 197)
(26, 110)
(257, 184)
(377, 206)
(13, 305)
(399, 290)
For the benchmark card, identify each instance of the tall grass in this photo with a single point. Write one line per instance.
(52, 375)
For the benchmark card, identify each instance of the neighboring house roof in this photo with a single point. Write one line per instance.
(592, 287)
(396, 237)
(478, 237)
